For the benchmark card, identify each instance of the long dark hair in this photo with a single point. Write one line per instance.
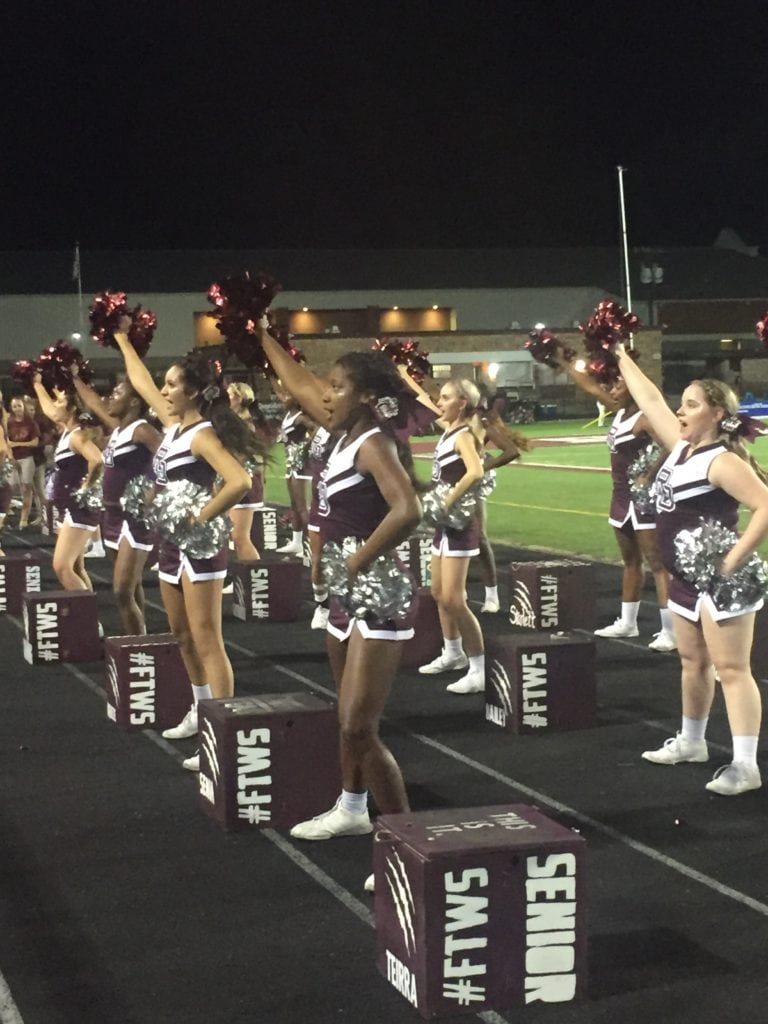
(375, 372)
(204, 376)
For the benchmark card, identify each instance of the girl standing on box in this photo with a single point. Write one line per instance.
(708, 473)
(201, 433)
(243, 404)
(367, 491)
(457, 462)
(128, 454)
(317, 455)
(635, 531)
(78, 463)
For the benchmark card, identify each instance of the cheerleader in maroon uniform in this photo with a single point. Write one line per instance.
(6, 473)
(457, 462)
(243, 404)
(127, 454)
(707, 473)
(77, 462)
(294, 433)
(368, 493)
(201, 432)
(317, 456)
(635, 531)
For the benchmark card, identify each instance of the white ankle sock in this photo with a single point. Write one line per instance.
(298, 537)
(477, 664)
(355, 803)
(453, 647)
(629, 610)
(201, 693)
(320, 593)
(745, 750)
(694, 729)
(666, 621)
(492, 593)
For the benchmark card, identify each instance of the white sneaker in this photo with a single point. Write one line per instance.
(228, 588)
(663, 642)
(472, 682)
(618, 628)
(320, 618)
(678, 749)
(370, 884)
(445, 662)
(96, 551)
(336, 822)
(192, 764)
(187, 726)
(735, 778)
(489, 606)
(290, 549)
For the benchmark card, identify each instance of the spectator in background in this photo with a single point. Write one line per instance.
(24, 436)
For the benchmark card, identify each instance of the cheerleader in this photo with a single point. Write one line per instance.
(457, 462)
(635, 531)
(294, 433)
(242, 401)
(6, 474)
(78, 463)
(366, 492)
(201, 433)
(707, 473)
(127, 454)
(317, 456)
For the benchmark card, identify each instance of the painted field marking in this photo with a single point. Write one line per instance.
(547, 508)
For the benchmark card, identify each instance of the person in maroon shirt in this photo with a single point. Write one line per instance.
(23, 435)
(42, 454)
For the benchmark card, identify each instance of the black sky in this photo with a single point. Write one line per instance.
(170, 125)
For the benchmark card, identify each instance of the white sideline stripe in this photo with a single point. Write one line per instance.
(561, 808)
(9, 1011)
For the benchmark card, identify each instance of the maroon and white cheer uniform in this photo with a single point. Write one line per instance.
(174, 461)
(317, 456)
(684, 495)
(449, 467)
(70, 468)
(625, 447)
(350, 504)
(124, 459)
(294, 434)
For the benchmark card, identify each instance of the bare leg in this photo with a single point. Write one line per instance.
(128, 589)
(68, 561)
(242, 520)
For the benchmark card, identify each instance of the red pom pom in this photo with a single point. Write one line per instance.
(55, 364)
(761, 328)
(105, 313)
(142, 329)
(24, 371)
(405, 352)
(545, 347)
(241, 301)
(609, 325)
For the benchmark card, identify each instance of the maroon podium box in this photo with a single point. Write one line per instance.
(427, 641)
(271, 591)
(540, 682)
(416, 553)
(147, 682)
(558, 594)
(268, 761)
(20, 573)
(264, 529)
(480, 909)
(61, 625)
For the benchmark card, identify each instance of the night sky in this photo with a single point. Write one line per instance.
(255, 125)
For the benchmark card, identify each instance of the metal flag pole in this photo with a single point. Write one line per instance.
(78, 277)
(625, 245)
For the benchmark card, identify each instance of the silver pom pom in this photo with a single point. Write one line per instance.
(641, 485)
(178, 503)
(7, 472)
(90, 498)
(487, 484)
(295, 455)
(457, 516)
(699, 554)
(382, 589)
(138, 500)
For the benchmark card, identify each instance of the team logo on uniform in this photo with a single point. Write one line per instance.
(665, 496)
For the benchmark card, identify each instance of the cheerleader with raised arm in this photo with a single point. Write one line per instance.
(201, 433)
(295, 432)
(78, 463)
(367, 493)
(634, 529)
(707, 474)
(127, 455)
(320, 447)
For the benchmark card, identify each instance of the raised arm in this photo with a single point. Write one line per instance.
(586, 383)
(661, 419)
(91, 400)
(305, 387)
(47, 404)
(140, 377)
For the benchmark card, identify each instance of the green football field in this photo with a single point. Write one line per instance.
(553, 498)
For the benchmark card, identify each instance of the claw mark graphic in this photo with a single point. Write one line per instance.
(209, 748)
(502, 686)
(400, 887)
